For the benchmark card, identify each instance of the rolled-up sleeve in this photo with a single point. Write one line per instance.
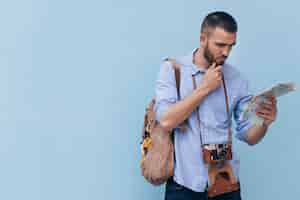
(165, 89)
(242, 124)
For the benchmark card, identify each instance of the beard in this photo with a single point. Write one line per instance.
(210, 58)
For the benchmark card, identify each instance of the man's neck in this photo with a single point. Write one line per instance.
(199, 59)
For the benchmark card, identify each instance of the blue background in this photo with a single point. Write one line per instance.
(75, 77)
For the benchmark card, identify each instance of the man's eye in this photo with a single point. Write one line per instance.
(221, 45)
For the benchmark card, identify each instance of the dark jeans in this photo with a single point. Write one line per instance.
(174, 191)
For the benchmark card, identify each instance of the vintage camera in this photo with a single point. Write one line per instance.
(216, 153)
(220, 172)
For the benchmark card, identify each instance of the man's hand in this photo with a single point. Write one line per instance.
(213, 77)
(268, 111)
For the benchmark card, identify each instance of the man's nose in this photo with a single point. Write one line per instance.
(226, 51)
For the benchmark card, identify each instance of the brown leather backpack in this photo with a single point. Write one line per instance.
(157, 163)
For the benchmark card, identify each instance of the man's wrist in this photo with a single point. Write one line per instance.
(203, 89)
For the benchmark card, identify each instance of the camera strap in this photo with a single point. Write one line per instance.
(227, 111)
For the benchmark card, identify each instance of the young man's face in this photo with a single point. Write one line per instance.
(217, 45)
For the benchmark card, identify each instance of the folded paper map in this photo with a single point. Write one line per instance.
(276, 91)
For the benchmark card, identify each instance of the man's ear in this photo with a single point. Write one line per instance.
(203, 39)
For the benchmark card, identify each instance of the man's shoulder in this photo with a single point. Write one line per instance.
(183, 61)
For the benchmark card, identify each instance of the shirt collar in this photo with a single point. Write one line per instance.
(195, 69)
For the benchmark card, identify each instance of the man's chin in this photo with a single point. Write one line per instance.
(220, 62)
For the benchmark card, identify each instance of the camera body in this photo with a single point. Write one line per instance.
(216, 153)
(221, 176)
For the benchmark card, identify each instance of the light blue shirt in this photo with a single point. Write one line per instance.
(190, 170)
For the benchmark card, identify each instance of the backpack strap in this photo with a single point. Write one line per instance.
(149, 117)
(176, 67)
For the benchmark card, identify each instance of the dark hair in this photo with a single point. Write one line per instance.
(219, 19)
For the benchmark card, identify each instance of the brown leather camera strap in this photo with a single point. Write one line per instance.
(227, 110)
(197, 111)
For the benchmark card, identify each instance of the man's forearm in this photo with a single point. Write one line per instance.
(255, 134)
(181, 110)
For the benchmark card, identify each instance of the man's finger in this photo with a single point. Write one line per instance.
(268, 106)
(265, 112)
(266, 117)
(218, 68)
(267, 102)
(272, 99)
(212, 66)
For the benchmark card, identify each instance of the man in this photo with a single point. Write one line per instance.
(207, 64)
